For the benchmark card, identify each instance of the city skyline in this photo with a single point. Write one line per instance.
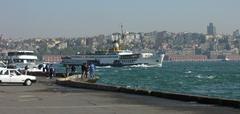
(75, 18)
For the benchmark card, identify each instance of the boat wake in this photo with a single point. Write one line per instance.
(104, 67)
(144, 66)
(188, 72)
(132, 66)
(205, 77)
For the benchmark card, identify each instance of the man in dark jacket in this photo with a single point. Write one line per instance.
(85, 70)
(51, 72)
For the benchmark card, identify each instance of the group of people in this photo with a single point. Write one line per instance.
(88, 69)
(48, 68)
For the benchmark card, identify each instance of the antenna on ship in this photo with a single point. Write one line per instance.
(120, 40)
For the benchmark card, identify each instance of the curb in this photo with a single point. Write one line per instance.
(168, 95)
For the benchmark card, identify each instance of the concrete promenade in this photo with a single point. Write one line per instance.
(45, 97)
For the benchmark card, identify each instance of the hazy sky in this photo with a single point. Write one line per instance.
(72, 18)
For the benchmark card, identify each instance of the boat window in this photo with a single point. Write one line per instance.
(18, 60)
(20, 53)
(30, 60)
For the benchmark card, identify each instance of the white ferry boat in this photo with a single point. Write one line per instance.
(20, 59)
(115, 57)
(122, 58)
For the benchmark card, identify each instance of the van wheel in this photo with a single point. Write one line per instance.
(28, 82)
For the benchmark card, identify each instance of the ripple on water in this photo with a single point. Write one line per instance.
(206, 78)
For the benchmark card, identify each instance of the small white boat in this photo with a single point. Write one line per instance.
(226, 59)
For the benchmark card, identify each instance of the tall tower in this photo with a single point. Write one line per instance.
(236, 33)
(1, 36)
(211, 30)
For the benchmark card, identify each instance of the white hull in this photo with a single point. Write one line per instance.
(113, 60)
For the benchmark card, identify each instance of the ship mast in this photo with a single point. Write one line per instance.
(120, 40)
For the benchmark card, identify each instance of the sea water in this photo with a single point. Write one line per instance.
(216, 79)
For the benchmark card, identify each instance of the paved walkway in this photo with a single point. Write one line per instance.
(45, 97)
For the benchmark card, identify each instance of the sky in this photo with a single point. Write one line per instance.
(81, 18)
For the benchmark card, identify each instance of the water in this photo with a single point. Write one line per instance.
(215, 79)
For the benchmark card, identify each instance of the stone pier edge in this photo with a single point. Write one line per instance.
(168, 95)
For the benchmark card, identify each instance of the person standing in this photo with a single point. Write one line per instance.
(51, 72)
(67, 70)
(73, 68)
(44, 67)
(92, 69)
(84, 70)
(26, 69)
(47, 68)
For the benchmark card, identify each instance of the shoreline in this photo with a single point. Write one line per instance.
(207, 60)
(167, 95)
